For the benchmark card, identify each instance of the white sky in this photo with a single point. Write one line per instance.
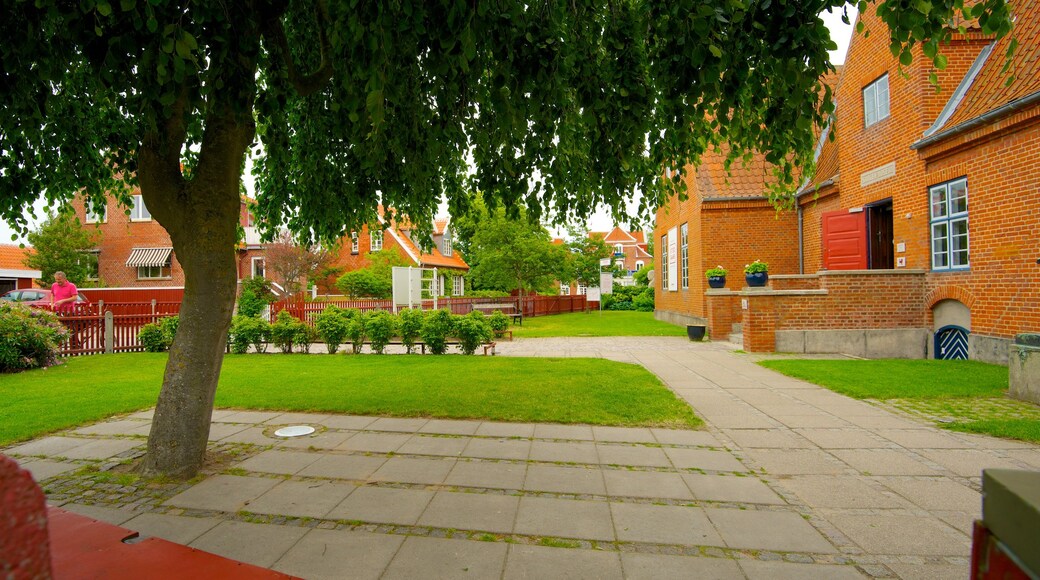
(600, 220)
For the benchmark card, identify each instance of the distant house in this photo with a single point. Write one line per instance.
(356, 247)
(629, 254)
(14, 275)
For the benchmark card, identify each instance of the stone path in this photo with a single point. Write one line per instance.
(788, 481)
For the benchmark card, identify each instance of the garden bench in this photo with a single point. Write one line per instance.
(506, 308)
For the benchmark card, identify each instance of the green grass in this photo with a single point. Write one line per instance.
(568, 390)
(899, 378)
(1022, 429)
(595, 323)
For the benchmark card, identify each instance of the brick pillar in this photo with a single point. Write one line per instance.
(24, 544)
(759, 323)
(722, 309)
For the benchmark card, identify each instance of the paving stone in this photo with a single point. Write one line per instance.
(758, 570)
(967, 462)
(964, 521)
(276, 461)
(843, 438)
(564, 518)
(298, 419)
(922, 439)
(935, 493)
(384, 505)
(334, 554)
(564, 452)
(883, 462)
(578, 432)
(680, 437)
(659, 524)
(471, 511)
(487, 474)
(219, 431)
(320, 440)
(434, 558)
(343, 466)
(646, 484)
(42, 469)
(806, 421)
(396, 424)
(704, 459)
(178, 529)
(257, 544)
(901, 534)
(622, 434)
(524, 562)
(730, 488)
(738, 420)
(112, 516)
(489, 429)
(450, 427)
(929, 571)
(229, 493)
(884, 421)
(1030, 457)
(248, 417)
(795, 461)
(48, 446)
(250, 436)
(103, 449)
(120, 427)
(654, 566)
(498, 448)
(635, 455)
(767, 438)
(413, 470)
(444, 446)
(764, 530)
(151, 413)
(305, 499)
(347, 421)
(841, 491)
(553, 478)
(375, 442)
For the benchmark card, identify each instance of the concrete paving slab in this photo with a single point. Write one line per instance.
(103, 449)
(843, 438)
(646, 484)
(250, 436)
(807, 421)
(320, 440)
(105, 514)
(564, 452)
(767, 438)
(731, 488)
(489, 429)
(219, 431)
(448, 427)
(635, 455)
(704, 459)
(765, 530)
(796, 461)
(680, 437)
(335, 554)
(967, 462)
(178, 529)
(414, 470)
(347, 421)
(922, 439)
(622, 434)
(663, 524)
(384, 505)
(427, 445)
(883, 462)
(278, 461)
(375, 442)
(298, 419)
(938, 493)
(564, 518)
(1030, 457)
(885, 421)
(654, 566)
(527, 562)
(759, 570)
(48, 446)
(228, 493)
(42, 469)
(255, 417)
(397, 424)
(929, 571)
(254, 543)
(148, 414)
(302, 499)
(963, 521)
(901, 534)
(487, 474)
(471, 511)
(436, 558)
(516, 449)
(575, 432)
(343, 466)
(120, 427)
(738, 421)
(842, 491)
(561, 479)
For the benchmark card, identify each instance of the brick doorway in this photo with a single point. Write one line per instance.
(879, 235)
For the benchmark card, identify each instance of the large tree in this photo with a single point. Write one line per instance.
(515, 254)
(558, 105)
(62, 244)
(294, 263)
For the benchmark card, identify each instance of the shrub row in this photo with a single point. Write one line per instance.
(158, 336)
(630, 298)
(29, 338)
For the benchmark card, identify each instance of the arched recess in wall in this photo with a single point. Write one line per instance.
(951, 326)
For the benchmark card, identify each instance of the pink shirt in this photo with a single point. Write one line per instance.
(60, 292)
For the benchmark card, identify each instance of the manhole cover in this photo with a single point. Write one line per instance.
(294, 431)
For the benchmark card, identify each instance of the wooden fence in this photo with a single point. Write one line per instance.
(96, 333)
(532, 305)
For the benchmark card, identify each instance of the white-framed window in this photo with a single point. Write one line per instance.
(154, 272)
(95, 214)
(458, 286)
(376, 239)
(140, 213)
(582, 289)
(446, 244)
(684, 257)
(639, 265)
(618, 249)
(90, 259)
(565, 289)
(619, 264)
(875, 101)
(664, 262)
(258, 267)
(948, 206)
(354, 242)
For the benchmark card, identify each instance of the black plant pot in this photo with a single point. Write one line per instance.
(696, 331)
(717, 281)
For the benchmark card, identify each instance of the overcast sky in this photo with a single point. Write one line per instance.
(601, 220)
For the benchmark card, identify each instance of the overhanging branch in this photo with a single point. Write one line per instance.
(274, 33)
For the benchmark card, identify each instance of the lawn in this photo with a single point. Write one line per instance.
(966, 396)
(595, 323)
(570, 390)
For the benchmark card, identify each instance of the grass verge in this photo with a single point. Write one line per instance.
(595, 323)
(571, 390)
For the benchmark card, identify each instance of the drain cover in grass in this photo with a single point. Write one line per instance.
(294, 431)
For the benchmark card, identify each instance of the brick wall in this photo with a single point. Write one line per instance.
(813, 207)
(735, 233)
(349, 261)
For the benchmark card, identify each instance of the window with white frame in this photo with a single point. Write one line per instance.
(664, 262)
(258, 267)
(948, 203)
(875, 101)
(618, 249)
(95, 214)
(639, 265)
(582, 290)
(139, 213)
(446, 245)
(684, 257)
(162, 272)
(353, 242)
(565, 289)
(458, 286)
(376, 239)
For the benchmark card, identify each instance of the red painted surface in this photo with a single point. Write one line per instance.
(844, 240)
(84, 548)
(990, 559)
(110, 295)
(24, 551)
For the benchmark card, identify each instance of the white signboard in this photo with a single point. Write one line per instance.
(592, 294)
(604, 261)
(606, 283)
(407, 286)
(673, 260)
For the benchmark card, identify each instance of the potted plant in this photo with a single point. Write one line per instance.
(716, 277)
(756, 273)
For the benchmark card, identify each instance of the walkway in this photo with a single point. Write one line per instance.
(788, 481)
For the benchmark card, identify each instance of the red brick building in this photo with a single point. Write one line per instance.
(919, 235)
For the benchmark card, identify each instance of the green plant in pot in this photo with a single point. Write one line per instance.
(756, 273)
(716, 277)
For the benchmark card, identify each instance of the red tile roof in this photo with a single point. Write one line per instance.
(742, 180)
(12, 257)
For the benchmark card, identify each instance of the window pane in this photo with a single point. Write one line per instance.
(940, 245)
(869, 108)
(938, 204)
(958, 197)
(882, 97)
(959, 243)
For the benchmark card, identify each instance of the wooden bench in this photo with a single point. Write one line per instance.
(506, 308)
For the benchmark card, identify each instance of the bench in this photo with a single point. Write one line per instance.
(506, 308)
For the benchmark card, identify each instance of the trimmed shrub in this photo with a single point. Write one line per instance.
(246, 331)
(255, 296)
(644, 301)
(355, 330)
(332, 325)
(284, 331)
(436, 329)
(381, 327)
(29, 338)
(158, 336)
(304, 336)
(486, 294)
(473, 330)
(169, 327)
(411, 327)
(499, 322)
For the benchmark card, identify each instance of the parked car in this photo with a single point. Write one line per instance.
(39, 298)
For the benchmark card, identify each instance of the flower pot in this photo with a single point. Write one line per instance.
(717, 281)
(757, 280)
(696, 331)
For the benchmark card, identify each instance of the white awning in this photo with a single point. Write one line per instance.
(149, 257)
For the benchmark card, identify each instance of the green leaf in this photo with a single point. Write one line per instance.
(906, 57)
(375, 104)
(940, 61)
(104, 8)
(153, 24)
(715, 50)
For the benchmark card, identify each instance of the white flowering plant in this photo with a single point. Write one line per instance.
(756, 267)
(716, 272)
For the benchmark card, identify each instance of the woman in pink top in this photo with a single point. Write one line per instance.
(63, 294)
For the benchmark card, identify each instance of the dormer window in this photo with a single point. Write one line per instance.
(446, 250)
(875, 101)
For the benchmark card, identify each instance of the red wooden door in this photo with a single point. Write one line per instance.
(845, 240)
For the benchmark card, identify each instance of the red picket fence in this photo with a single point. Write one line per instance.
(89, 332)
(532, 305)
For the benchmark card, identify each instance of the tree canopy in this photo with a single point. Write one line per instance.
(515, 254)
(61, 243)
